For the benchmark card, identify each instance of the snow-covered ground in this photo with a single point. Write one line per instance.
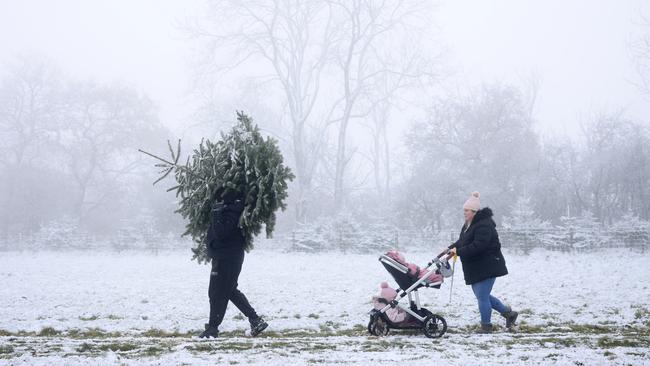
(133, 308)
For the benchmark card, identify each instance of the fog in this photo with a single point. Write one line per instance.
(540, 105)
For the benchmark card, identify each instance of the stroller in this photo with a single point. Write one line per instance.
(388, 313)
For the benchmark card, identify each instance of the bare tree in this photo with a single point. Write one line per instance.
(98, 138)
(363, 36)
(28, 112)
(294, 39)
(412, 70)
(482, 139)
(616, 179)
(28, 107)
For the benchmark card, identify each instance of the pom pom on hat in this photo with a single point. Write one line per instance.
(387, 292)
(473, 202)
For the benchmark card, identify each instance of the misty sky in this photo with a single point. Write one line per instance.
(580, 50)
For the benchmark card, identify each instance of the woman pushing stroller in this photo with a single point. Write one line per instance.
(479, 250)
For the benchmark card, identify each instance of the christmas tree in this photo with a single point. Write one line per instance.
(243, 162)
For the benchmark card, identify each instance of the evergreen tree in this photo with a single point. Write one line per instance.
(630, 231)
(580, 232)
(243, 162)
(523, 228)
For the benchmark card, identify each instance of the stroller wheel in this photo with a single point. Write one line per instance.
(377, 326)
(434, 326)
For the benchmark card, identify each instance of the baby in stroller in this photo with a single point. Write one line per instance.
(388, 313)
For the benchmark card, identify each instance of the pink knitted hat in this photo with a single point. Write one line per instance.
(387, 292)
(473, 202)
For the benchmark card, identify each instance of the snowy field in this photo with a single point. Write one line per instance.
(138, 308)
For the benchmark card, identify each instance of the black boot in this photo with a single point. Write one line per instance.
(257, 325)
(485, 329)
(511, 317)
(210, 332)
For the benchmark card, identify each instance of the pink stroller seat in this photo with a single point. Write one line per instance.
(413, 269)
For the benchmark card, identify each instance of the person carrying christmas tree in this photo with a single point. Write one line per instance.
(479, 249)
(225, 244)
(228, 191)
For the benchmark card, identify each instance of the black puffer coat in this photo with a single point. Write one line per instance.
(479, 249)
(225, 238)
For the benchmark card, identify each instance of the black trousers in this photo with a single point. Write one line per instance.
(223, 288)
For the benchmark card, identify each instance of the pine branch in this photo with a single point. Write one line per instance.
(157, 157)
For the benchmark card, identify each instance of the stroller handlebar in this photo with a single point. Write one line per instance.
(439, 258)
(447, 253)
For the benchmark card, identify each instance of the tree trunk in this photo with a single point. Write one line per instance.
(341, 160)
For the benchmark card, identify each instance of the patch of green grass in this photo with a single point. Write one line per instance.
(48, 332)
(324, 328)
(91, 333)
(526, 311)
(85, 347)
(159, 333)
(315, 361)
(641, 313)
(607, 342)
(275, 334)
(331, 324)
(359, 328)
(547, 316)
(552, 356)
(607, 322)
(55, 348)
(313, 316)
(614, 311)
(638, 354)
(4, 333)
(201, 347)
(590, 328)
(567, 328)
(323, 347)
(115, 317)
(118, 347)
(564, 342)
(6, 350)
(154, 351)
(525, 328)
(89, 318)
(230, 346)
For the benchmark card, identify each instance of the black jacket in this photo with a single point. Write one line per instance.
(225, 238)
(479, 249)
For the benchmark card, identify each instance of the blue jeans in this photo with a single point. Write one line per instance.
(487, 302)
